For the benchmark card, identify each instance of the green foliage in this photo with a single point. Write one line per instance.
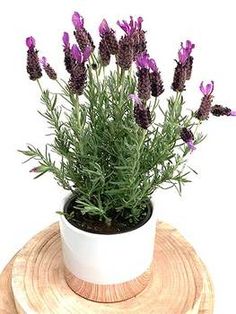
(105, 158)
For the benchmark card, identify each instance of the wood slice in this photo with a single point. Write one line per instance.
(180, 283)
(7, 304)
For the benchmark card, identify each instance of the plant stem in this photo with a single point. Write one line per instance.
(40, 87)
(77, 110)
(122, 79)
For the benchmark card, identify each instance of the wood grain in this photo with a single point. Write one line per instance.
(108, 293)
(7, 304)
(180, 283)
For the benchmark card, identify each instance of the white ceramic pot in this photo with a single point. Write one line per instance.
(96, 262)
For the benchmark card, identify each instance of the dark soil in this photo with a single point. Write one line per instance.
(93, 225)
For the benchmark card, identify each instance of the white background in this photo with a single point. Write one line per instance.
(205, 214)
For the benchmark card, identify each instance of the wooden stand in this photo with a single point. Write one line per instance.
(33, 282)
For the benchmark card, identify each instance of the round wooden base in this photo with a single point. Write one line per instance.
(33, 282)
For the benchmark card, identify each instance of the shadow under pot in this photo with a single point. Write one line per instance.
(108, 267)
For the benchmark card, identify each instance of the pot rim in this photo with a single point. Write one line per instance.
(103, 235)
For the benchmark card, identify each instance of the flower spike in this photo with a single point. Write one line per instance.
(108, 44)
(144, 82)
(219, 110)
(205, 107)
(48, 69)
(183, 70)
(125, 53)
(142, 114)
(104, 28)
(188, 137)
(78, 77)
(68, 60)
(83, 37)
(33, 66)
(155, 77)
(78, 21)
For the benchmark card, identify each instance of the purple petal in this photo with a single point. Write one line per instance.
(232, 113)
(152, 65)
(139, 22)
(208, 89)
(189, 46)
(124, 26)
(183, 55)
(43, 61)
(142, 61)
(135, 98)
(66, 39)
(202, 88)
(103, 27)
(76, 53)
(191, 145)
(133, 25)
(131, 22)
(86, 53)
(77, 20)
(212, 87)
(30, 42)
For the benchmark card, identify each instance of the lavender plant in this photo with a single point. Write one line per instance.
(116, 144)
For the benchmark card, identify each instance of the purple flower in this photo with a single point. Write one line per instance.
(187, 136)
(184, 66)
(125, 52)
(188, 46)
(78, 21)
(153, 65)
(218, 110)
(208, 89)
(76, 53)
(66, 40)
(135, 98)
(142, 113)
(108, 45)
(67, 52)
(80, 56)
(30, 42)
(87, 53)
(155, 77)
(185, 52)
(144, 82)
(139, 22)
(183, 55)
(48, 69)
(205, 107)
(143, 61)
(104, 28)
(104, 53)
(35, 169)
(132, 26)
(44, 62)
(33, 67)
(82, 37)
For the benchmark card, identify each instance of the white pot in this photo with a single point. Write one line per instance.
(97, 261)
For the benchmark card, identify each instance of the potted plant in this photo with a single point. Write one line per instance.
(115, 145)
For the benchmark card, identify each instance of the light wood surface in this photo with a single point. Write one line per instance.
(7, 305)
(180, 283)
(108, 293)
